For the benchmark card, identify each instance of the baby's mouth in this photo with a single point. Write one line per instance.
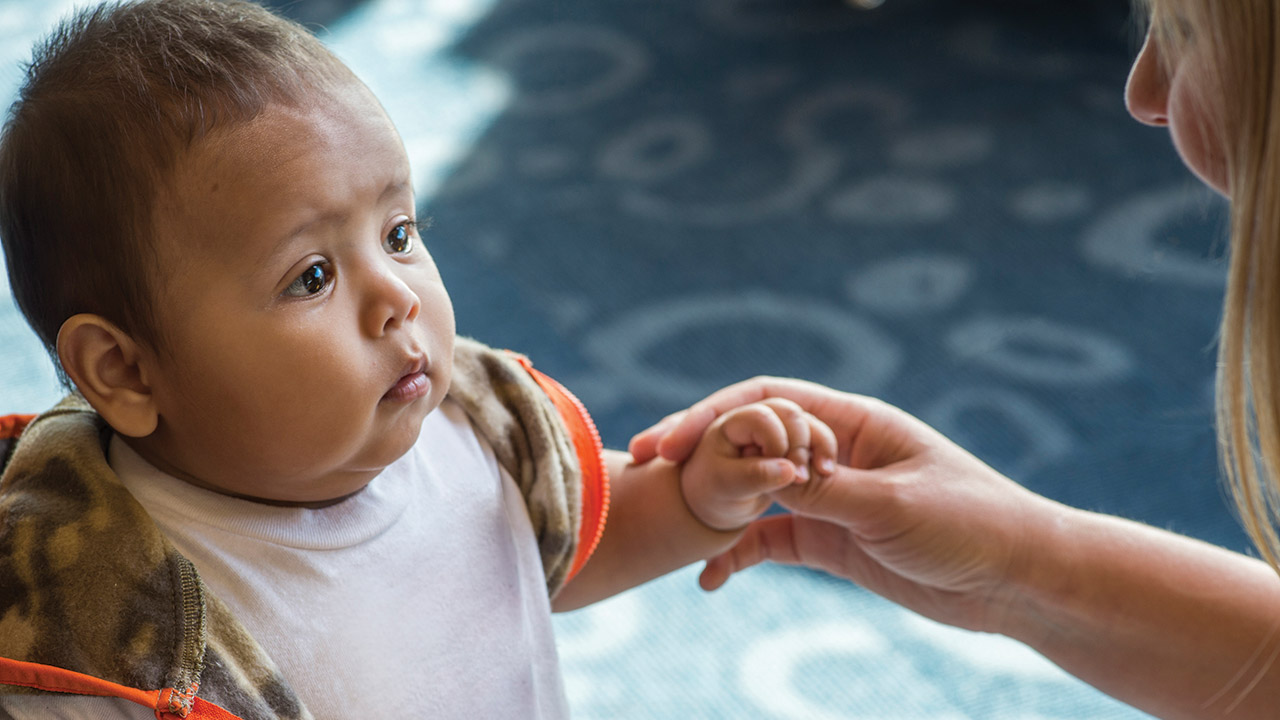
(413, 384)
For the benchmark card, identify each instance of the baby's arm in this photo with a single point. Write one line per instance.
(653, 530)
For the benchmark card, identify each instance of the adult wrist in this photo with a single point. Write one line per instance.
(1042, 581)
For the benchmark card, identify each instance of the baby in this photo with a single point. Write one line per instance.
(284, 488)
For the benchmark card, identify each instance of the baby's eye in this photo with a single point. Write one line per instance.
(311, 281)
(400, 240)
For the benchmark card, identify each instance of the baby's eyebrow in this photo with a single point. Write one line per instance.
(395, 187)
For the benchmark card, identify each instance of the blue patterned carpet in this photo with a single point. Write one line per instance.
(941, 202)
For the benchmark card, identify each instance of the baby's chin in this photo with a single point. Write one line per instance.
(331, 479)
(333, 485)
(386, 445)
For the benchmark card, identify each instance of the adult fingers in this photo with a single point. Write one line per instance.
(770, 538)
(823, 445)
(853, 498)
(831, 406)
(644, 445)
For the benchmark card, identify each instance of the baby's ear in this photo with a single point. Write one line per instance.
(108, 368)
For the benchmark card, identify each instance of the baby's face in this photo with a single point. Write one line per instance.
(307, 328)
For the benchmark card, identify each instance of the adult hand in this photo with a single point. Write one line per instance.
(907, 514)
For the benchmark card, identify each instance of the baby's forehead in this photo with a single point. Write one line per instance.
(282, 129)
(326, 155)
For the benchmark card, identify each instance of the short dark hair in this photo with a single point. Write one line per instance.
(111, 99)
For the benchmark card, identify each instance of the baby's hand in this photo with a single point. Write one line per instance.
(748, 453)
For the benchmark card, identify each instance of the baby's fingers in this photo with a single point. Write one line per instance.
(800, 439)
(756, 429)
(779, 428)
(644, 446)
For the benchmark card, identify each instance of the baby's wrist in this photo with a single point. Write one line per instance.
(711, 521)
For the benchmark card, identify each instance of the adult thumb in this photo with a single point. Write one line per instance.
(848, 496)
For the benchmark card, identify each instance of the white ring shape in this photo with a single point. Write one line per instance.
(621, 60)
(911, 285)
(1044, 439)
(1040, 351)
(867, 358)
(1125, 239)
(770, 667)
(655, 149)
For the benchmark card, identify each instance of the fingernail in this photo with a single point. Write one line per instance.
(801, 458)
(781, 469)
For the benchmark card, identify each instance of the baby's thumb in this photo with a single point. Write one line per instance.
(753, 476)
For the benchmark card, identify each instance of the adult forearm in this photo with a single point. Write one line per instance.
(649, 532)
(1176, 627)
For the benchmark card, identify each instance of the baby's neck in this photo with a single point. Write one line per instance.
(159, 463)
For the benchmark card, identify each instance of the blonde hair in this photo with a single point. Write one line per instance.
(1234, 43)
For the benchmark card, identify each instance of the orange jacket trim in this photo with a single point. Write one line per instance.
(590, 450)
(52, 679)
(11, 426)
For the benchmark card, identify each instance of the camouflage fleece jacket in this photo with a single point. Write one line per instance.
(94, 600)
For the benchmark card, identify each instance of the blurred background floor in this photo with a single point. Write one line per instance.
(940, 202)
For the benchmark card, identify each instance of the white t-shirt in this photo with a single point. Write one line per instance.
(423, 595)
